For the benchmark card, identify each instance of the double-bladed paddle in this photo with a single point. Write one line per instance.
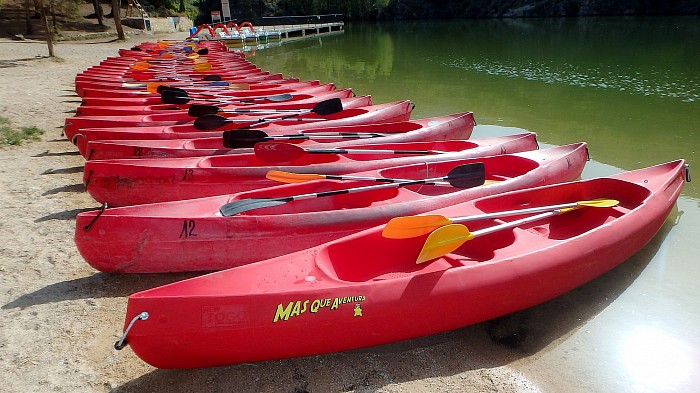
(450, 237)
(462, 176)
(323, 108)
(290, 177)
(237, 139)
(282, 152)
(198, 110)
(413, 226)
(179, 97)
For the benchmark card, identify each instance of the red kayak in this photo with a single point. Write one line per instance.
(456, 126)
(303, 96)
(81, 87)
(372, 289)
(126, 93)
(252, 92)
(192, 234)
(356, 112)
(132, 182)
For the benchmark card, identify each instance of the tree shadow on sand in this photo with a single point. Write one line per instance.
(68, 188)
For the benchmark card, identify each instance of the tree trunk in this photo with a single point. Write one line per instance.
(98, 11)
(52, 6)
(28, 16)
(118, 19)
(45, 23)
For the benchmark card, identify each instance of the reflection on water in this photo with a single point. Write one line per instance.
(658, 83)
(656, 360)
(630, 87)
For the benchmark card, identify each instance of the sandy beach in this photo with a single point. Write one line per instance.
(60, 317)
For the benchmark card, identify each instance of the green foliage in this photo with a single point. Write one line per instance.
(70, 8)
(14, 136)
(173, 7)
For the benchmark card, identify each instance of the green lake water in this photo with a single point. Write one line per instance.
(630, 88)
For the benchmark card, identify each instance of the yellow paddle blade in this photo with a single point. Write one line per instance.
(152, 87)
(201, 60)
(202, 67)
(192, 56)
(600, 202)
(288, 177)
(413, 226)
(443, 241)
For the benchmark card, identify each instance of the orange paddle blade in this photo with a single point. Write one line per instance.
(288, 177)
(413, 226)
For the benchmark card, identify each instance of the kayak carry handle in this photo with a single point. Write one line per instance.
(119, 345)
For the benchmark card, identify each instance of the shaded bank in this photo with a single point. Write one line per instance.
(432, 9)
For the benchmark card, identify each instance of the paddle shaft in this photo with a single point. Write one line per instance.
(516, 223)
(379, 179)
(394, 183)
(459, 220)
(370, 151)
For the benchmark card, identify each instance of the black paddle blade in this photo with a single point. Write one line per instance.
(237, 139)
(281, 97)
(210, 122)
(197, 110)
(467, 175)
(244, 205)
(203, 51)
(173, 97)
(212, 77)
(163, 88)
(328, 107)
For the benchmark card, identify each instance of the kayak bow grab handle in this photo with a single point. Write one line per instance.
(102, 210)
(119, 345)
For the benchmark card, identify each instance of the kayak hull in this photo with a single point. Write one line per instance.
(289, 306)
(191, 235)
(132, 182)
(456, 126)
(354, 113)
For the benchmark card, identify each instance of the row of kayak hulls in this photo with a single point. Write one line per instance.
(458, 126)
(333, 274)
(379, 113)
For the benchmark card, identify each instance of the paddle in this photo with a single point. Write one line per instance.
(450, 237)
(462, 176)
(290, 177)
(198, 110)
(283, 152)
(412, 226)
(180, 97)
(152, 87)
(323, 108)
(236, 139)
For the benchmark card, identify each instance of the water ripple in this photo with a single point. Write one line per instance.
(654, 83)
